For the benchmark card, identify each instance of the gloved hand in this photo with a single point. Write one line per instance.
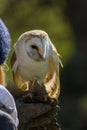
(36, 115)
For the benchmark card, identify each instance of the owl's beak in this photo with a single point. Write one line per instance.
(41, 55)
(42, 52)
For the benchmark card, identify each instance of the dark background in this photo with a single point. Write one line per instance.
(66, 23)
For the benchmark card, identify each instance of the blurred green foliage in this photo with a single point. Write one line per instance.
(24, 15)
(48, 15)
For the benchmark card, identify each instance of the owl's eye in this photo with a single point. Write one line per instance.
(33, 47)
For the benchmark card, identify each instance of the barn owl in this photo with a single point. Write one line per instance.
(36, 58)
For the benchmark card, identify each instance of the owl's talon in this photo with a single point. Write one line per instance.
(29, 95)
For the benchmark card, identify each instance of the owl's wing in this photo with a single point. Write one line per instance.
(16, 76)
(52, 81)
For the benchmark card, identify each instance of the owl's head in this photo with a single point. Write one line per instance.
(35, 43)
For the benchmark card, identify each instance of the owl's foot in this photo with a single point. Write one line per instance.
(37, 93)
(34, 98)
(28, 98)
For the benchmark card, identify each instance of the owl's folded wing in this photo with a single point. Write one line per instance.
(21, 84)
(52, 81)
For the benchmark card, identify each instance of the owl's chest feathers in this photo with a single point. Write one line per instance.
(31, 69)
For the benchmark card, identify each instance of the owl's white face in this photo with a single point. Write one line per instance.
(36, 49)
